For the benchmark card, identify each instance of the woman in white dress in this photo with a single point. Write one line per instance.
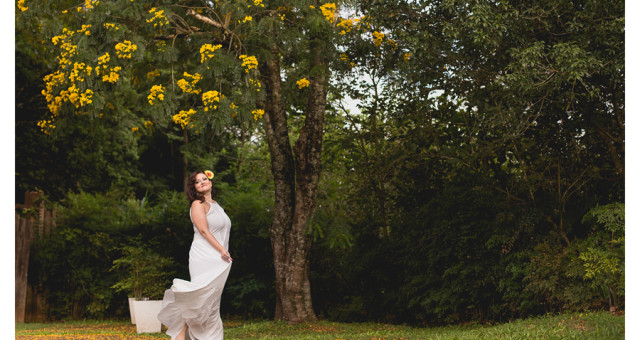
(191, 309)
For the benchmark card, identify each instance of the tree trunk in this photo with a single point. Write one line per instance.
(185, 163)
(23, 238)
(296, 181)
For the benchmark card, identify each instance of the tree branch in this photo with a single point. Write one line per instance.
(205, 19)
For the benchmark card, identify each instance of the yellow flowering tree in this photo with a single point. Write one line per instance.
(196, 69)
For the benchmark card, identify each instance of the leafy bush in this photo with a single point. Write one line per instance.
(576, 277)
(554, 278)
(143, 273)
(602, 255)
(250, 289)
(71, 267)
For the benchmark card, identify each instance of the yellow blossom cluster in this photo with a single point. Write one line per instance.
(85, 30)
(346, 25)
(377, 38)
(249, 62)
(21, 5)
(85, 98)
(153, 74)
(345, 58)
(112, 75)
(210, 97)
(148, 124)
(156, 92)
(302, 83)
(51, 81)
(234, 107)
(256, 84)
(247, 18)
(329, 11)
(67, 49)
(64, 85)
(190, 87)
(76, 73)
(108, 74)
(392, 43)
(257, 3)
(88, 5)
(66, 33)
(125, 49)
(257, 114)
(206, 52)
(158, 19)
(70, 94)
(46, 126)
(406, 56)
(134, 129)
(183, 117)
(104, 59)
(59, 78)
(360, 22)
(73, 95)
(109, 25)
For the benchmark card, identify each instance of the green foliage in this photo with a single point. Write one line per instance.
(249, 289)
(72, 265)
(602, 253)
(610, 217)
(480, 151)
(330, 223)
(553, 277)
(143, 273)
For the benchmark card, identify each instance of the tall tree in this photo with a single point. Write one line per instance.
(203, 68)
(482, 101)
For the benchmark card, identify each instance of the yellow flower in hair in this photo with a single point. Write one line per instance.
(209, 174)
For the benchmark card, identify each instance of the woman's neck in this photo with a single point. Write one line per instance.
(207, 197)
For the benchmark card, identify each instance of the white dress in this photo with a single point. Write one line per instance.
(197, 303)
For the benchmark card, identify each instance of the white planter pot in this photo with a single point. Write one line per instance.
(131, 310)
(146, 315)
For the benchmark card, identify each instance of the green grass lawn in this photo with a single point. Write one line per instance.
(600, 325)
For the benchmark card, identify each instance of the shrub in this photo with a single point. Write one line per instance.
(144, 273)
(602, 253)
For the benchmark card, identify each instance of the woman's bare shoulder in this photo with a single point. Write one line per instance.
(197, 204)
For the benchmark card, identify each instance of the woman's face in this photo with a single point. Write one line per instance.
(202, 184)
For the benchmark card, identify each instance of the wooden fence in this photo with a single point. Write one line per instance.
(33, 220)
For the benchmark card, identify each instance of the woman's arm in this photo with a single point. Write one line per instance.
(199, 217)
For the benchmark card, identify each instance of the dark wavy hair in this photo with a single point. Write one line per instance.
(192, 193)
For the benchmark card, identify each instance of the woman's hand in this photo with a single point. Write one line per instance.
(226, 256)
